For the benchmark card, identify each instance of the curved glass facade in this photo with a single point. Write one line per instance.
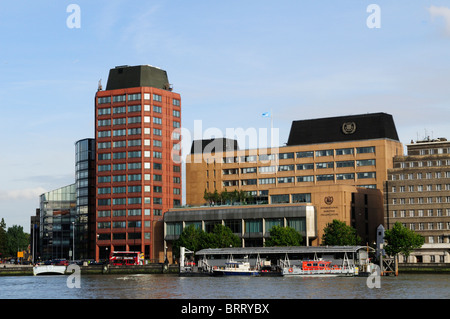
(58, 209)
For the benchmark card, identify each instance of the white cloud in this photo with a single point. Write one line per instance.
(22, 194)
(441, 12)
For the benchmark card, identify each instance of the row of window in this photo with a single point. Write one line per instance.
(300, 167)
(134, 108)
(124, 155)
(134, 120)
(421, 213)
(300, 179)
(133, 97)
(429, 226)
(133, 201)
(421, 200)
(420, 175)
(236, 225)
(134, 177)
(130, 212)
(123, 236)
(176, 135)
(420, 188)
(133, 189)
(422, 163)
(298, 155)
(132, 166)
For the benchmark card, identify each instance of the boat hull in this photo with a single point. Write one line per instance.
(294, 271)
(235, 273)
(49, 270)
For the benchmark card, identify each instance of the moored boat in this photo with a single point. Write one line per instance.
(236, 268)
(49, 270)
(318, 268)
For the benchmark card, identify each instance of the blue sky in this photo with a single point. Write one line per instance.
(230, 61)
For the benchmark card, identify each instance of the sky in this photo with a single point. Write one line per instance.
(230, 61)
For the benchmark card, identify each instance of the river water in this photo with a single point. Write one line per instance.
(405, 286)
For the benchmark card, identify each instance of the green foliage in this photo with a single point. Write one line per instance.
(401, 240)
(338, 233)
(197, 239)
(17, 240)
(3, 240)
(284, 236)
(226, 197)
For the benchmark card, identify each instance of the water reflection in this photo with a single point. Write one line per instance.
(174, 287)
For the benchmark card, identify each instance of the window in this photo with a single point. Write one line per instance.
(119, 201)
(119, 178)
(267, 169)
(157, 109)
(106, 111)
(248, 170)
(326, 177)
(279, 199)
(104, 133)
(348, 176)
(249, 182)
(119, 190)
(134, 200)
(134, 97)
(134, 189)
(119, 167)
(286, 155)
(283, 180)
(103, 100)
(305, 166)
(134, 108)
(309, 178)
(176, 113)
(366, 175)
(134, 177)
(119, 98)
(324, 153)
(370, 162)
(325, 165)
(157, 200)
(120, 121)
(344, 151)
(253, 226)
(104, 122)
(134, 120)
(263, 181)
(305, 154)
(363, 150)
(157, 98)
(134, 131)
(134, 154)
(157, 132)
(176, 102)
(157, 120)
(345, 164)
(283, 168)
(301, 198)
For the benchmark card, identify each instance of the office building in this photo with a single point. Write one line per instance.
(331, 163)
(138, 160)
(417, 195)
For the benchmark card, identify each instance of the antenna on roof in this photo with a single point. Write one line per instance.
(100, 88)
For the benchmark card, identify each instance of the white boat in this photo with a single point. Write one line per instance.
(236, 268)
(49, 270)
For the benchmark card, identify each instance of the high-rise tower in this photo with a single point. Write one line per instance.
(138, 160)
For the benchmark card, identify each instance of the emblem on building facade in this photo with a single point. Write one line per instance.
(349, 128)
(328, 200)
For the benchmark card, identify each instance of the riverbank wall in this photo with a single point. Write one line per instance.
(19, 270)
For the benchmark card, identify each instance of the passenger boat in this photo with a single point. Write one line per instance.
(49, 270)
(236, 268)
(319, 268)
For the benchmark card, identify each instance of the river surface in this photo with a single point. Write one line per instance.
(405, 286)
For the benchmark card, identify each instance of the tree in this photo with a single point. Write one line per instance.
(3, 240)
(223, 237)
(284, 236)
(338, 233)
(196, 239)
(17, 240)
(192, 238)
(401, 240)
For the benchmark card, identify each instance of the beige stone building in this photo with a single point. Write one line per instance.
(338, 164)
(418, 196)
